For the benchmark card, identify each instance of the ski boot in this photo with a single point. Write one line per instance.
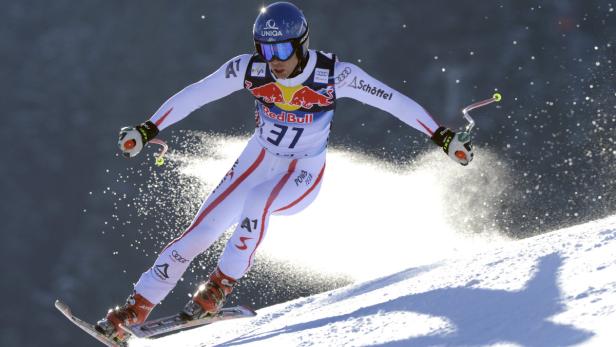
(134, 311)
(210, 297)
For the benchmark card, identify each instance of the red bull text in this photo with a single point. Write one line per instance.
(288, 117)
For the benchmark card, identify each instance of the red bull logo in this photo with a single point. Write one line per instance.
(291, 98)
(270, 92)
(306, 97)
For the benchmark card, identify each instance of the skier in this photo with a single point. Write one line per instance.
(280, 171)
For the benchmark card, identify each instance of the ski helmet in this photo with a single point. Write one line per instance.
(279, 31)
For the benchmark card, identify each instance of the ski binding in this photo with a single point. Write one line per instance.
(178, 321)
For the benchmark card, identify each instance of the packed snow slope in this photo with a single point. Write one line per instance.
(555, 289)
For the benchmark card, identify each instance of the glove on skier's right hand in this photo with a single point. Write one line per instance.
(457, 146)
(132, 139)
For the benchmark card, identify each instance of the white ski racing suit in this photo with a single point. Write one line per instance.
(281, 169)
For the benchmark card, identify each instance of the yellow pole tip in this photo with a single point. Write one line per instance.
(497, 97)
(160, 161)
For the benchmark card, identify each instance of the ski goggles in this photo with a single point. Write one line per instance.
(279, 50)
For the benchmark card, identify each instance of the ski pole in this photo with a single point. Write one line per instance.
(160, 157)
(471, 123)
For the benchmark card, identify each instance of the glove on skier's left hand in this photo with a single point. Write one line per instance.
(132, 139)
(457, 146)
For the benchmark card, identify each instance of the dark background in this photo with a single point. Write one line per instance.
(74, 72)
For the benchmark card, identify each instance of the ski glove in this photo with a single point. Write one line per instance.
(132, 139)
(457, 146)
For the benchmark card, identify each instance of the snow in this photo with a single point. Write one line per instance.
(555, 289)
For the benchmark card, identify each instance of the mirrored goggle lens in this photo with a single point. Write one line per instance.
(281, 50)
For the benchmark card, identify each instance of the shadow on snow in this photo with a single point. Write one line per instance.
(479, 316)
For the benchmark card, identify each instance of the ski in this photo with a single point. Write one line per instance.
(177, 322)
(87, 327)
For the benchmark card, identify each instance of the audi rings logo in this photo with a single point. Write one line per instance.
(177, 257)
(270, 25)
(343, 75)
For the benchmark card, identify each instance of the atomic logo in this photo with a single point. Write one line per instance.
(161, 271)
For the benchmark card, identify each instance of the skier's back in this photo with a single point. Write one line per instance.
(280, 170)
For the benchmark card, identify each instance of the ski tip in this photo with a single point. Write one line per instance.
(60, 305)
(64, 308)
(249, 309)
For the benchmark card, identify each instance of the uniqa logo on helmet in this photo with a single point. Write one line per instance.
(271, 29)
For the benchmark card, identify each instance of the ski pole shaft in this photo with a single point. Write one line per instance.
(160, 157)
(471, 123)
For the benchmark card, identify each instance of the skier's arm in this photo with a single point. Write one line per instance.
(353, 82)
(224, 81)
